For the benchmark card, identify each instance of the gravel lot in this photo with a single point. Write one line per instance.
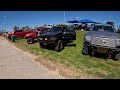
(15, 64)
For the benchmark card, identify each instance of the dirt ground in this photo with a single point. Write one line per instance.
(16, 64)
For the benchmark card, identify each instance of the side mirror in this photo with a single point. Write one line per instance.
(64, 30)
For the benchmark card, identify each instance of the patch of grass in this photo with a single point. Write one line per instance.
(72, 56)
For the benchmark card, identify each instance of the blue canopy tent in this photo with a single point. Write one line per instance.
(84, 24)
(86, 21)
(74, 20)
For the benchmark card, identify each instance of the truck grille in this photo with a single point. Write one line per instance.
(103, 41)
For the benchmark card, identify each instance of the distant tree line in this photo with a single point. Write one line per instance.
(15, 28)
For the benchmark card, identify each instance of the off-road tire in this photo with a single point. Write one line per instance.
(85, 50)
(59, 46)
(117, 56)
(30, 40)
(42, 46)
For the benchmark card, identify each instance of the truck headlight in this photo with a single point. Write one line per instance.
(118, 42)
(27, 35)
(41, 38)
(88, 38)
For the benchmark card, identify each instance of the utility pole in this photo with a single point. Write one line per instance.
(5, 22)
(64, 18)
(110, 18)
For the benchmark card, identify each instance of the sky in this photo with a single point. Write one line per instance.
(9, 19)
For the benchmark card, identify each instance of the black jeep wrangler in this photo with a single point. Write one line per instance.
(57, 37)
(102, 39)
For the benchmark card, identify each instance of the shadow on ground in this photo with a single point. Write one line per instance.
(71, 45)
(102, 56)
(53, 48)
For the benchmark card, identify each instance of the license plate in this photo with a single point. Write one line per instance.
(102, 50)
(45, 38)
(45, 44)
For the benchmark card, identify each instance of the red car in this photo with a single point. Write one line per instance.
(37, 32)
(19, 34)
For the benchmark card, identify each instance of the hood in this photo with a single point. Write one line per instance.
(50, 34)
(103, 34)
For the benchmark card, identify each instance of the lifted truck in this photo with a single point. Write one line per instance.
(103, 39)
(57, 37)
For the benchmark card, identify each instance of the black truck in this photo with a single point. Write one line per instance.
(57, 37)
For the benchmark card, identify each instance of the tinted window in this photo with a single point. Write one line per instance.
(45, 30)
(108, 28)
(96, 28)
(56, 29)
(103, 28)
(69, 29)
(18, 31)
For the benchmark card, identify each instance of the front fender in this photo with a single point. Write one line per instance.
(33, 35)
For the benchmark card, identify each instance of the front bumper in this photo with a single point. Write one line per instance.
(47, 43)
(116, 49)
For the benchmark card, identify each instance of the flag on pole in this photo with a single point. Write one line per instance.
(64, 18)
(109, 18)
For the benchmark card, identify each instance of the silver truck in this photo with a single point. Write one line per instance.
(102, 39)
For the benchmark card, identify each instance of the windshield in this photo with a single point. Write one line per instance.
(45, 30)
(17, 31)
(69, 29)
(103, 28)
(56, 29)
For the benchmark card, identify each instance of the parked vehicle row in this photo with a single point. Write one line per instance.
(55, 37)
(101, 38)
